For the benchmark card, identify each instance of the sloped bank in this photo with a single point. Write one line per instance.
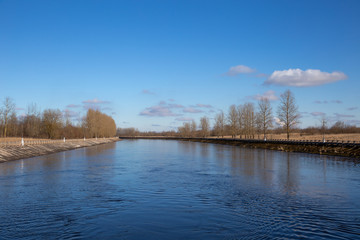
(345, 149)
(8, 153)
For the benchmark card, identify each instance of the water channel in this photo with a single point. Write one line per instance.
(158, 189)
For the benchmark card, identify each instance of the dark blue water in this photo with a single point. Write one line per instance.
(153, 189)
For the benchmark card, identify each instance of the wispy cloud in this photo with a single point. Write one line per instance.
(318, 114)
(261, 75)
(204, 105)
(145, 91)
(352, 108)
(270, 95)
(321, 102)
(163, 109)
(96, 104)
(71, 114)
(239, 69)
(326, 102)
(175, 106)
(307, 78)
(184, 119)
(158, 111)
(192, 110)
(338, 115)
(73, 106)
(95, 101)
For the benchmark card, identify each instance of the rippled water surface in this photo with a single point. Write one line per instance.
(153, 189)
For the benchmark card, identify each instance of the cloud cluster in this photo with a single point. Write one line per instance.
(239, 69)
(307, 78)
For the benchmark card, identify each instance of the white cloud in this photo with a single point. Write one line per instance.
(270, 95)
(158, 111)
(307, 78)
(239, 69)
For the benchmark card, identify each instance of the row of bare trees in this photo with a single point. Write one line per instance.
(246, 120)
(52, 123)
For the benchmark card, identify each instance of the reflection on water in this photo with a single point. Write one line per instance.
(182, 190)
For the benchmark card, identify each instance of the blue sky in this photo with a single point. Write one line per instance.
(154, 64)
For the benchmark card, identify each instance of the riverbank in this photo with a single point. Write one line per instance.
(39, 148)
(345, 149)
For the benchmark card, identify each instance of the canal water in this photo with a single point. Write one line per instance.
(155, 189)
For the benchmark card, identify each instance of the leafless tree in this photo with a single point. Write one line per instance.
(32, 122)
(205, 126)
(52, 122)
(7, 109)
(249, 122)
(185, 130)
(265, 116)
(219, 127)
(288, 111)
(193, 128)
(233, 120)
(240, 121)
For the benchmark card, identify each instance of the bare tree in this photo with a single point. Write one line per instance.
(32, 122)
(219, 127)
(193, 128)
(288, 111)
(185, 130)
(233, 120)
(205, 126)
(240, 121)
(264, 115)
(249, 122)
(7, 109)
(52, 122)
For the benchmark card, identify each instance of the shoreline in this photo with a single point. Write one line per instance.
(343, 149)
(17, 152)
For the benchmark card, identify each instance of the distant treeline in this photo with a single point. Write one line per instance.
(52, 123)
(337, 128)
(248, 120)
